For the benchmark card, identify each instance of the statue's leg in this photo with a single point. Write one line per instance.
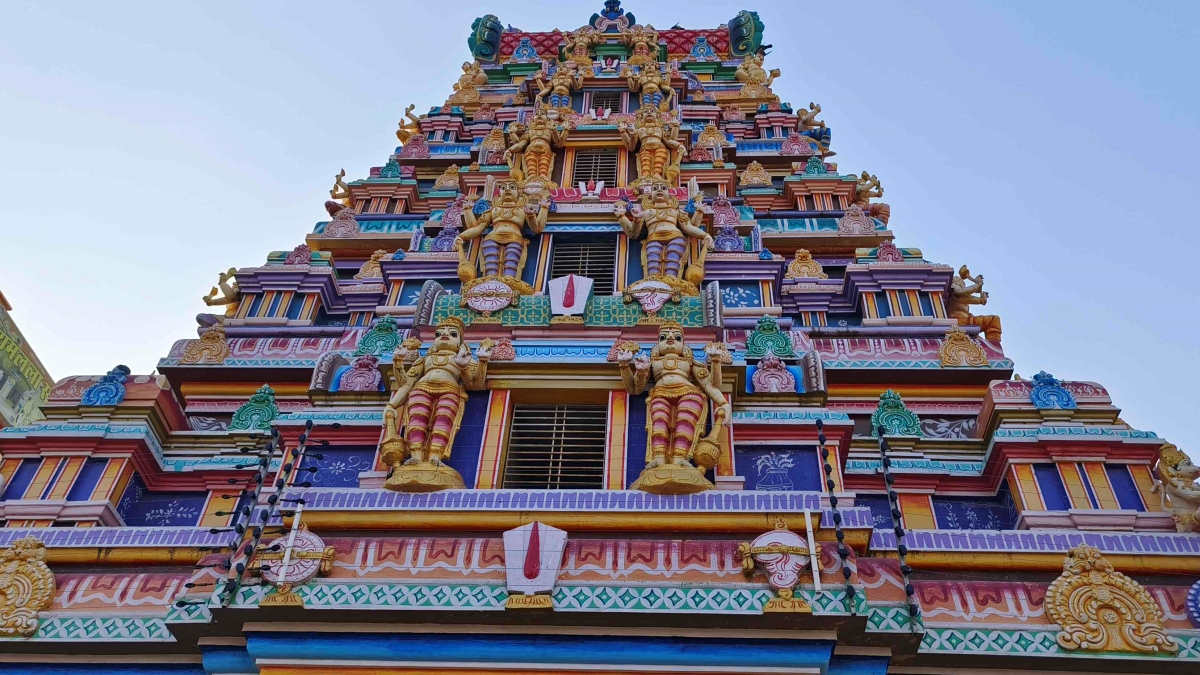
(416, 427)
(445, 422)
(490, 251)
(512, 258)
(676, 249)
(688, 416)
(654, 258)
(991, 327)
(660, 432)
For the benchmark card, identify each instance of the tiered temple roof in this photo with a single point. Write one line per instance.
(608, 366)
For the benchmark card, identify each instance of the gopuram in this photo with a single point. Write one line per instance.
(607, 369)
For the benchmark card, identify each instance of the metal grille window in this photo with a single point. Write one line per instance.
(598, 164)
(556, 447)
(610, 100)
(596, 260)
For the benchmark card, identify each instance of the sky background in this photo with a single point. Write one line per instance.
(1050, 146)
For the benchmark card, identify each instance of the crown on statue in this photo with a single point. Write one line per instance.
(453, 322)
(669, 325)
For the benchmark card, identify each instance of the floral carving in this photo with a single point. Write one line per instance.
(888, 253)
(772, 377)
(257, 413)
(110, 390)
(301, 255)
(210, 350)
(894, 417)
(958, 350)
(856, 222)
(383, 338)
(448, 180)
(417, 147)
(723, 212)
(768, 339)
(1048, 393)
(343, 225)
(362, 375)
(804, 267)
(1101, 609)
(504, 351)
(26, 587)
(371, 269)
(795, 144)
(755, 175)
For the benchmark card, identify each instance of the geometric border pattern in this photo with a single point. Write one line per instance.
(109, 628)
(660, 599)
(403, 596)
(1033, 642)
(890, 618)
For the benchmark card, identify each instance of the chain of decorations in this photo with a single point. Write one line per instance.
(842, 550)
(885, 463)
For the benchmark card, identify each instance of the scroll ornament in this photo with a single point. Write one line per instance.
(26, 587)
(1100, 609)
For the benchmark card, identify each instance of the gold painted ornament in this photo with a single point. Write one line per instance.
(26, 587)
(959, 350)
(1100, 609)
(210, 350)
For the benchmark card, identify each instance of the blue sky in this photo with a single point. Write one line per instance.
(1051, 146)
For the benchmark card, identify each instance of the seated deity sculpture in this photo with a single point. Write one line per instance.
(963, 295)
(677, 452)
(423, 416)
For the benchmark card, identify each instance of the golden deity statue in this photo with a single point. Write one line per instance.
(1179, 488)
(229, 293)
(868, 188)
(653, 135)
(531, 155)
(576, 45)
(643, 45)
(565, 79)
(466, 90)
(963, 295)
(668, 228)
(677, 454)
(340, 191)
(757, 81)
(807, 119)
(407, 129)
(652, 85)
(503, 250)
(424, 414)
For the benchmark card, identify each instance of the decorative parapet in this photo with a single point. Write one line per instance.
(1033, 541)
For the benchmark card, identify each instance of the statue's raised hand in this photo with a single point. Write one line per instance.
(463, 358)
(625, 357)
(619, 209)
(641, 362)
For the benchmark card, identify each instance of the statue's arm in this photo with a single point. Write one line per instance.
(634, 378)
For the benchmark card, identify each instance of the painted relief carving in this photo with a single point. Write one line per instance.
(26, 587)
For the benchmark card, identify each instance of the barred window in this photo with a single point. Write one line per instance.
(598, 164)
(556, 447)
(596, 260)
(610, 100)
